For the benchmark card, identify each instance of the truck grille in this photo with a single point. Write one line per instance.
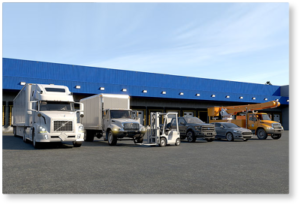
(131, 126)
(247, 133)
(276, 125)
(63, 125)
(207, 128)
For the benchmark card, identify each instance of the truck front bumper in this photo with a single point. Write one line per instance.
(274, 132)
(60, 137)
(130, 134)
(206, 135)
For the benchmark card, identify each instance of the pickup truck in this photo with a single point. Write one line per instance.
(193, 128)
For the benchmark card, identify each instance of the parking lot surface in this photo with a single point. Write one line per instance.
(255, 166)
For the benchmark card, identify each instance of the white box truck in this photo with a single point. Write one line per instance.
(110, 116)
(45, 113)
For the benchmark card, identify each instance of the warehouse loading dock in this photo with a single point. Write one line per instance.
(186, 94)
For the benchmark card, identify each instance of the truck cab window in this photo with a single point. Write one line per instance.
(56, 106)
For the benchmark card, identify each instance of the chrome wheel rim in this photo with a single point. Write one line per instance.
(110, 138)
(178, 141)
(190, 136)
(162, 142)
(261, 134)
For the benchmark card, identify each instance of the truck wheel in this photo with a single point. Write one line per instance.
(138, 140)
(77, 144)
(177, 143)
(24, 138)
(276, 137)
(163, 142)
(35, 144)
(190, 136)
(89, 136)
(261, 134)
(209, 140)
(112, 140)
(229, 136)
(15, 132)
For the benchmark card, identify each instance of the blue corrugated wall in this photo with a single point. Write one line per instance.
(91, 79)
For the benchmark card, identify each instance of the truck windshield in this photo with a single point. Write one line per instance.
(263, 117)
(193, 120)
(120, 114)
(56, 106)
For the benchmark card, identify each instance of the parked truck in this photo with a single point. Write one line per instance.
(248, 117)
(109, 116)
(46, 113)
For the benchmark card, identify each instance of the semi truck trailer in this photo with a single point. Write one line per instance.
(46, 113)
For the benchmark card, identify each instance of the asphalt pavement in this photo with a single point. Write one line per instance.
(255, 166)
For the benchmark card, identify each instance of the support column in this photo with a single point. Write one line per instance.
(6, 124)
(147, 121)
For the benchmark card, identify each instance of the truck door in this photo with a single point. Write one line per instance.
(252, 122)
(182, 126)
(106, 118)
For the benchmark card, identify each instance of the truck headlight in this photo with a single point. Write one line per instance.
(80, 128)
(42, 130)
(281, 127)
(198, 128)
(270, 128)
(143, 129)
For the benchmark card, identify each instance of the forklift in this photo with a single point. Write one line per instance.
(162, 134)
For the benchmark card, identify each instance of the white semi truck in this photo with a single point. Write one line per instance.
(110, 116)
(46, 113)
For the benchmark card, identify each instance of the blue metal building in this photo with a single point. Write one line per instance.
(148, 91)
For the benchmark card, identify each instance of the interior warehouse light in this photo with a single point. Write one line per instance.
(22, 83)
(78, 87)
(102, 88)
(254, 98)
(241, 97)
(198, 94)
(163, 92)
(124, 90)
(144, 91)
(288, 100)
(227, 96)
(181, 93)
(277, 100)
(213, 96)
(266, 99)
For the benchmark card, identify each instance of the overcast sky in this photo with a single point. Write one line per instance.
(246, 42)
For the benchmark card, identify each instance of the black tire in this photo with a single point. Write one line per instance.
(163, 142)
(77, 144)
(89, 136)
(112, 140)
(24, 138)
(177, 143)
(14, 131)
(209, 140)
(35, 144)
(229, 136)
(276, 137)
(190, 136)
(139, 140)
(261, 134)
